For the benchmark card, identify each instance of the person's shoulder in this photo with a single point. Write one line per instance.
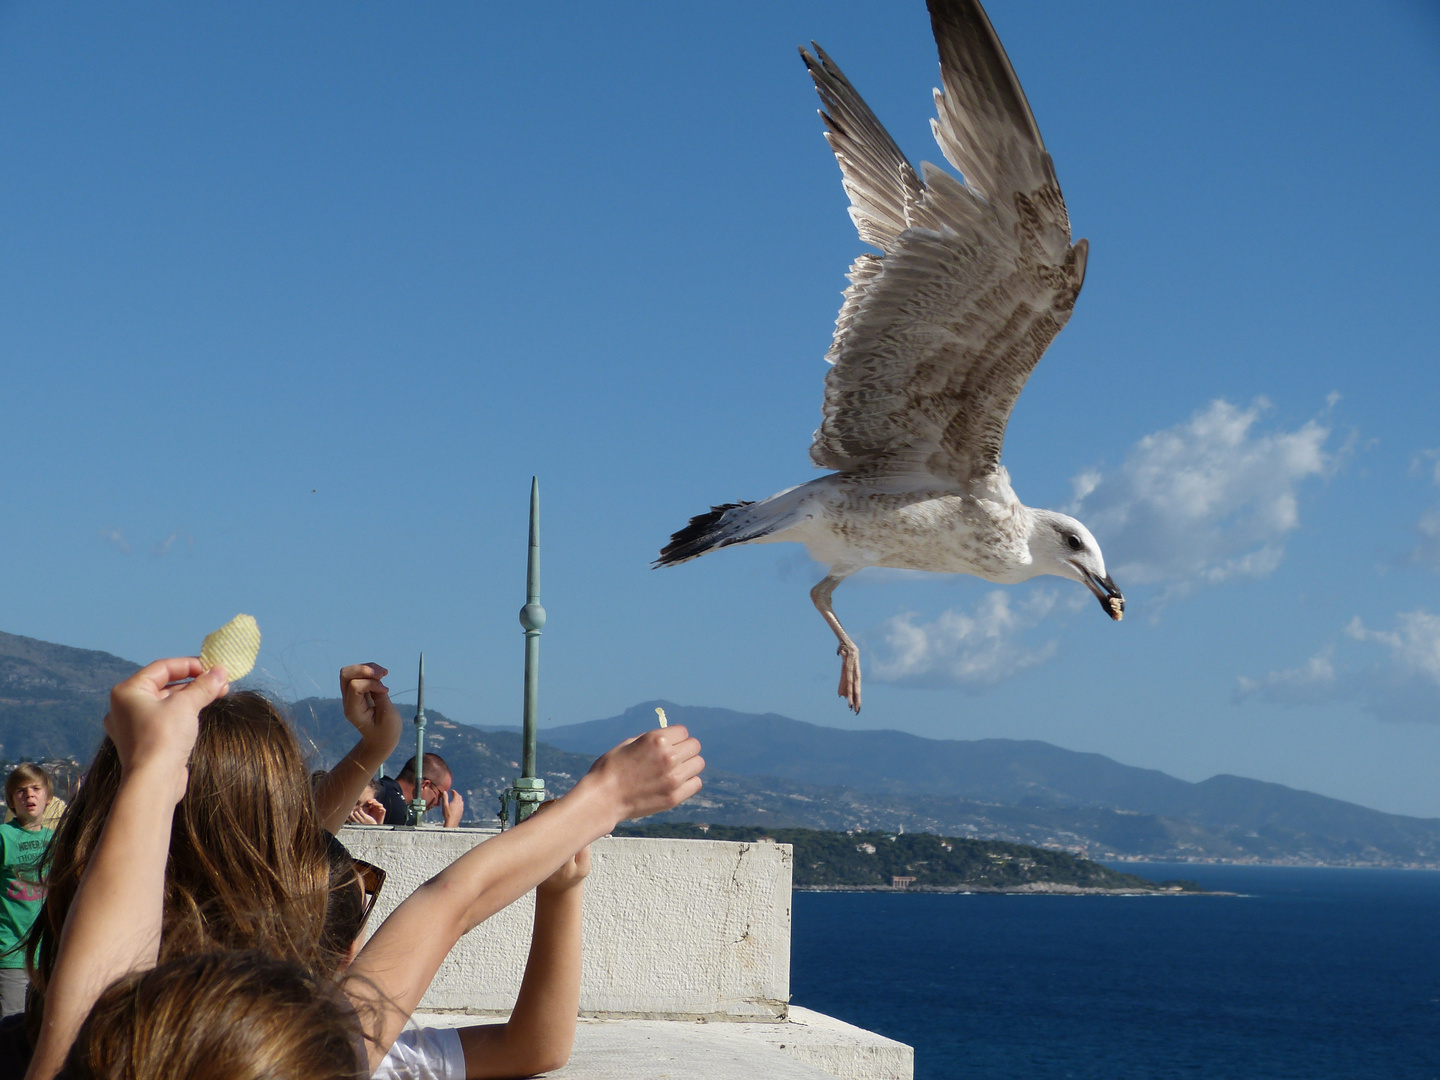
(433, 1053)
(387, 791)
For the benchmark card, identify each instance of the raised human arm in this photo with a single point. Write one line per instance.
(654, 772)
(368, 708)
(113, 925)
(540, 1033)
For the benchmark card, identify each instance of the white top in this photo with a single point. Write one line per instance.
(424, 1054)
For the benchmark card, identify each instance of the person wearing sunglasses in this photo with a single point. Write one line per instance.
(436, 787)
(112, 929)
(540, 1031)
(547, 852)
(110, 1009)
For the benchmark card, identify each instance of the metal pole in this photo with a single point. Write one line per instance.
(529, 790)
(417, 804)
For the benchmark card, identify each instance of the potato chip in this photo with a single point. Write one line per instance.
(234, 645)
(661, 713)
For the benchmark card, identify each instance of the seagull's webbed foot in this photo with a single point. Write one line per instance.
(850, 675)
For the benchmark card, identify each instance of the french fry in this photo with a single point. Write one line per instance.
(661, 713)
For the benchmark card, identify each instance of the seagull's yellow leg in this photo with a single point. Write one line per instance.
(848, 650)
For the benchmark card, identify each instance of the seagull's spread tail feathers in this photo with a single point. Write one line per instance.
(737, 523)
(704, 533)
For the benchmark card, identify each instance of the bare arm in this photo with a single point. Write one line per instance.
(368, 707)
(540, 1033)
(113, 926)
(657, 771)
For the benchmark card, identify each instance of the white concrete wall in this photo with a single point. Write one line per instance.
(674, 929)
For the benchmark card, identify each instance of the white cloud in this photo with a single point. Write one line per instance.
(163, 547)
(1312, 683)
(1414, 645)
(1427, 551)
(1205, 501)
(116, 538)
(964, 649)
(1399, 683)
(1426, 461)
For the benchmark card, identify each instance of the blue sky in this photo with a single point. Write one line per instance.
(297, 297)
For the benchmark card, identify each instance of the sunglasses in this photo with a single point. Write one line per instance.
(372, 878)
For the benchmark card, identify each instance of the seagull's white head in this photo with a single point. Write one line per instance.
(1062, 546)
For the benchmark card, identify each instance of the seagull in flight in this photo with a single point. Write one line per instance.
(935, 339)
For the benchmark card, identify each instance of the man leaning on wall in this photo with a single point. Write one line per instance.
(436, 788)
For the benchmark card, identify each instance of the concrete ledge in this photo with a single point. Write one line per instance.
(674, 929)
(810, 1046)
(838, 1048)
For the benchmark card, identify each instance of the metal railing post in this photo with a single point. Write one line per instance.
(528, 791)
(417, 804)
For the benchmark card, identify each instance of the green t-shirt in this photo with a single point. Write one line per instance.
(21, 894)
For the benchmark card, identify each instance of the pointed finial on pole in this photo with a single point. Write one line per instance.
(417, 803)
(528, 791)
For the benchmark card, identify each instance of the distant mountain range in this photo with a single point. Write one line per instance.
(1019, 790)
(776, 772)
(53, 697)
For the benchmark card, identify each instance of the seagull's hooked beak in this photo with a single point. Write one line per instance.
(1105, 590)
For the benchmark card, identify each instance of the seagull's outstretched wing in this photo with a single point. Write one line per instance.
(937, 336)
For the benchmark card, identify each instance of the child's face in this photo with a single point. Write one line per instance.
(29, 803)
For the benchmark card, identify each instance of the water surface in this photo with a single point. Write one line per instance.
(1314, 973)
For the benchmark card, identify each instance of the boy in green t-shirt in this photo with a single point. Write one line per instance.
(22, 849)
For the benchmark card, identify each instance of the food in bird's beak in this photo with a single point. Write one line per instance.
(235, 645)
(1112, 601)
(661, 713)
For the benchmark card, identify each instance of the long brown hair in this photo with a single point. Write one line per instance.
(220, 1016)
(247, 867)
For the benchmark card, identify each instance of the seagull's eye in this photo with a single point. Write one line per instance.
(1076, 544)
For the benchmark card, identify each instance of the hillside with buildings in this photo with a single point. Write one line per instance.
(923, 862)
(772, 772)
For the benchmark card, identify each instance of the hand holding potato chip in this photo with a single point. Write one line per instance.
(235, 645)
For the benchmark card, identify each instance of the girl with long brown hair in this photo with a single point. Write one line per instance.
(122, 902)
(247, 864)
(205, 1012)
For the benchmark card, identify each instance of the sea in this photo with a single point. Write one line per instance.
(1306, 973)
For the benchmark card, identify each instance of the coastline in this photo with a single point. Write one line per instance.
(1108, 860)
(1032, 888)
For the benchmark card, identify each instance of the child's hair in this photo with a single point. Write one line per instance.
(24, 775)
(220, 1016)
(247, 866)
